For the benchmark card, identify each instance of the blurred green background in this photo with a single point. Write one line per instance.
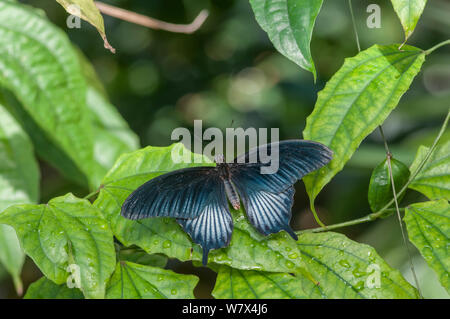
(229, 71)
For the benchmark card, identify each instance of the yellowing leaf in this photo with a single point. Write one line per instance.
(409, 12)
(87, 10)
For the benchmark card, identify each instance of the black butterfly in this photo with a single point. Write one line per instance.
(197, 196)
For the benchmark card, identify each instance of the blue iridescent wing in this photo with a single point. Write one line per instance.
(269, 212)
(268, 198)
(296, 158)
(182, 194)
(213, 227)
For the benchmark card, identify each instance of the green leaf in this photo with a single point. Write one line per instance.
(19, 183)
(434, 179)
(249, 284)
(39, 66)
(409, 12)
(66, 232)
(346, 269)
(428, 226)
(380, 186)
(248, 249)
(133, 281)
(88, 11)
(356, 100)
(47, 289)
(289, 25)
(142, 258)
(112, 136)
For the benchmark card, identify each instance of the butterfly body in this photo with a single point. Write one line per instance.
(198, 196)
(230, 189)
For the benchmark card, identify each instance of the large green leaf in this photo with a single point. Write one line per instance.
(133, 281)
(66, 232)
(19, 183)
(112, 135)
(47, 289)
(39, 66)
(289, 24)
(409, 12)
(434, 179)
(249, 284)
(355, 101)
(87, 10)
(247, 250)
(346, 269)
(428, 227)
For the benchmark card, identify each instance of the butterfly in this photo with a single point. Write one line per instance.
(198, 196)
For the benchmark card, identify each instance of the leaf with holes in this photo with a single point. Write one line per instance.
(356, 100)
(47, 289)
(133, 281)
(289, 25)
(67, 231)
(428, 227)
(19, 183)
(409, 12)
(434, 179)
(347, 269)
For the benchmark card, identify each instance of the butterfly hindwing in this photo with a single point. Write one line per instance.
(269, 212)
(268, 198)
(213, 227)
(181, 194)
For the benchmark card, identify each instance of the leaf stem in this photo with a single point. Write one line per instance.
(92, 194)
(365, 219)
(354, 25)
(437, 46)
(152, 23)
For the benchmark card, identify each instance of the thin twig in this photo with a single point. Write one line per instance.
(354, 25)
(405, 241)
(152, 23)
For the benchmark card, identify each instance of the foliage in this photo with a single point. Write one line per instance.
(53, 103)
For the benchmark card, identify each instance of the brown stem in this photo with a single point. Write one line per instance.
(152, 23)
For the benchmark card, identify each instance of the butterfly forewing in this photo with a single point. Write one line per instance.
(295, 159)
(181, 194)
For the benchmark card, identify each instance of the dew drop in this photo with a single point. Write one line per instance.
(290, 264)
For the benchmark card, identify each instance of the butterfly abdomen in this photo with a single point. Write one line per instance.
(232, 194)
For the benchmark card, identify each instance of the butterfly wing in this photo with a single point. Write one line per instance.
(269, 212)
(182, 194)
(213, 227)
(294, 159)
(268, 198)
